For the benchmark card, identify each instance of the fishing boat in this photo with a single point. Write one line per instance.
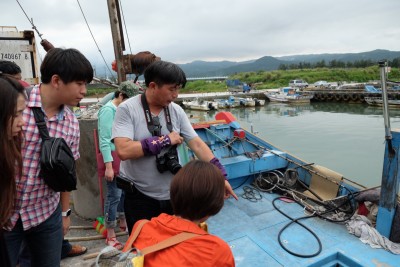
(227, 103)
(295, 213)
(200, 104)
(259, 102)
(275, 189)
(378, 101)
(245, 101)
(289, 95)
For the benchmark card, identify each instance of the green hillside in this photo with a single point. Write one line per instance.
(280, 78)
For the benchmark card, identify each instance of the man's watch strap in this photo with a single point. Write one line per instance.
(66, 213)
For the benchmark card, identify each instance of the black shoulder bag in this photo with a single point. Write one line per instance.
(57, 163)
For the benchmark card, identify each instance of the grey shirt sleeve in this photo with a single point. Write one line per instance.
(123, 123)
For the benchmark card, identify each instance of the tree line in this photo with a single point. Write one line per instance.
(364, 63)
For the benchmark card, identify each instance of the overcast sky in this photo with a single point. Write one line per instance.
(182, 31)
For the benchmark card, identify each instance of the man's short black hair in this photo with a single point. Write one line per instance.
(163, 72)
(70, 64)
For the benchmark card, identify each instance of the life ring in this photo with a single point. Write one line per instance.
(346, 97)
(355, 97)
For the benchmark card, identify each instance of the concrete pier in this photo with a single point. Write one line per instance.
(87, 199)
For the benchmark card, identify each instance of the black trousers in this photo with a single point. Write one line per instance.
(138, 206)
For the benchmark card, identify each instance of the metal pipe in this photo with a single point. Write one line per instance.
(388, 134)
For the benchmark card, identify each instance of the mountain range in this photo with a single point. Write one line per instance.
(267, 63)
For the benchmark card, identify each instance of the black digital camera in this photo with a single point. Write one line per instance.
(169, 161)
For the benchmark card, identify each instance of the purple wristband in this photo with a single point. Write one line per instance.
(216, 162)
(153, 145)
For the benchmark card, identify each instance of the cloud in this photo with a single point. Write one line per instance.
(182, 31)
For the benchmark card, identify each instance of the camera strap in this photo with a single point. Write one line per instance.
(149, 118)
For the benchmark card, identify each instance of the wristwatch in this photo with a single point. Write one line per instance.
(66, 213)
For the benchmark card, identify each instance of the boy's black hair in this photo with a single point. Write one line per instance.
(163, 72)
(70, 64)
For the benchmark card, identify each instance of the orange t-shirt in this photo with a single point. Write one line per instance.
(204, 250)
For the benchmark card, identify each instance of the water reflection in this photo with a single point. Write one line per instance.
(248, 114)
(353, 109)
(287, 109)
(291, 110)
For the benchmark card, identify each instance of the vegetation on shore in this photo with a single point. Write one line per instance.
(280, 78)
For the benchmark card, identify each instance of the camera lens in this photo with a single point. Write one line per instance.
(174, 166)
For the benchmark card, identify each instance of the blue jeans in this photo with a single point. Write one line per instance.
(65, 249)
(114, 205)
(44, 241)
(25, 256)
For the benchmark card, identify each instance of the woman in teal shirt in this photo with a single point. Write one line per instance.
(114, 204)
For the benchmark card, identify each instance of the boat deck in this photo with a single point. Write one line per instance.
(251, 229)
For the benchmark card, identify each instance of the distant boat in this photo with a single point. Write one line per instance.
(200, 104)
(245, 101)
(227, 103)
(233, 102)
(259, 102)
(377, 101)
(289, 95)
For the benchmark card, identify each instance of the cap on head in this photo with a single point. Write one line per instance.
(129, 88)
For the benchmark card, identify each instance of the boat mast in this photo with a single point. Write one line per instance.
(118, 38)
(130, 63)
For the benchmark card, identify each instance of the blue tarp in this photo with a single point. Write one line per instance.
(371, 89)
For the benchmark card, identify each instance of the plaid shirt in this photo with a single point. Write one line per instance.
(35, 201)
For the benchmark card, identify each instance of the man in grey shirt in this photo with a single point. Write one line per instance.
(139, 149)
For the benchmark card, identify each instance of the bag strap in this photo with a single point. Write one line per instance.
(40, 122)
(171, 241)
(28, 91)
(134, 235)
(39, 117)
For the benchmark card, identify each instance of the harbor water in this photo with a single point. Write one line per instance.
(347, 138)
